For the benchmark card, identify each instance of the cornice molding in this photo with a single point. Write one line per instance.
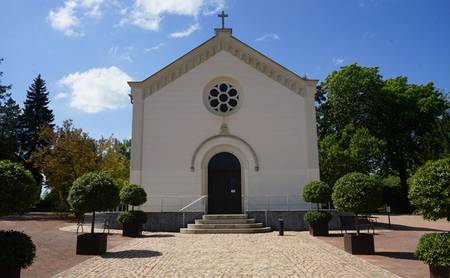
(223, 41)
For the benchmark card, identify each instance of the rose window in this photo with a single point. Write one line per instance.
(223, 98)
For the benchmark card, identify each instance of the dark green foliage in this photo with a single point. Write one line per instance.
(18, 190)
(434, 249)
(51, 202)
(36, 115)
(316, 217)
(9, 124)
(351, 150)
(132, 217)
(391, 189)
(94, 191)
(357, 193)
(132, 194)
(17, 250)
(9, 130)
(429, 190)
(317, 192)
(411, 122)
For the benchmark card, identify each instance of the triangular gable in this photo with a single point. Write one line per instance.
(223, 41)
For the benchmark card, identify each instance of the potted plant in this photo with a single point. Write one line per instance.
(132, 221)
(317, 192)
(357, 193)
(94, 191)
(429, 194)
(18, 192)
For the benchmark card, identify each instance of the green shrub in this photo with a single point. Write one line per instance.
(132, 217)
(16, 250)
(317, 192)
(391, 189)
(18, 190)
(357, 193)
(429, 191)
(434, 249)
(95, 191)
(316, 217)
(132, 194)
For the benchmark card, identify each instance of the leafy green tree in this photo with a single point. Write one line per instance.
(68, 154)
(17, 188)
(357, 193)
(36, 115)
(403, 115)
(352, 150)
(133, 194)
(17, 194)
(429, 193)
(9, 130)
(317, 192)
(94, 191)
(112, 158)
(412, 122)
(3, 88)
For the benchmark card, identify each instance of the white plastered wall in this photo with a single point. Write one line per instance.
(277, 123)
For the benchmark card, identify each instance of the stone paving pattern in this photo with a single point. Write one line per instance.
(226, 255)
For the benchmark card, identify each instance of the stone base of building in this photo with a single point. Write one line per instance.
(173, 221)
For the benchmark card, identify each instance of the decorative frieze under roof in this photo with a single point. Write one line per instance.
(223, 41)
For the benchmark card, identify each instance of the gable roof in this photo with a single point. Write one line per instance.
(223, 41)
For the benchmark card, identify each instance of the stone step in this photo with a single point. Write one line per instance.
(224, 216)
(225, 221)
(225, 231)
(225, 226)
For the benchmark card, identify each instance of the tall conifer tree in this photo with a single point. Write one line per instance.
(36, 115)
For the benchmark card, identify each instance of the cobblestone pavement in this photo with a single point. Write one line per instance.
(243, 255)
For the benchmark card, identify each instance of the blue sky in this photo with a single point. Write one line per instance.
(87, 49)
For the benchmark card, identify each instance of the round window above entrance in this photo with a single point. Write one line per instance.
(222, 96)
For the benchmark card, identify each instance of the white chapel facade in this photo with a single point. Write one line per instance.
(225, 124)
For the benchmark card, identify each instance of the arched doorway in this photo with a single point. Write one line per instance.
(224, 184)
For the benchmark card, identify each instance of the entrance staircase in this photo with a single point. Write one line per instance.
(225, 224)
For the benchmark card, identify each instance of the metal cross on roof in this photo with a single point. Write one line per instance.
(223, 15)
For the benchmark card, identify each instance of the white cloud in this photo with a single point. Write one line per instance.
(153, 48)
(268, 36)
(122, 54)
(187, 32)
(67, 18)
(148, 14)
(97, 89)
(338, 61)
(61, 95)
(64, 19)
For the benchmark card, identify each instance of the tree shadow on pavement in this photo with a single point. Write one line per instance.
(130, 254)
(398, 255)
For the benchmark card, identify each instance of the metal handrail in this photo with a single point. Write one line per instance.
(193, 203)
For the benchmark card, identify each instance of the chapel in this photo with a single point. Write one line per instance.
(224, 129)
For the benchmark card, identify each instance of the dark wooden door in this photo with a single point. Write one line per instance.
(224, 184)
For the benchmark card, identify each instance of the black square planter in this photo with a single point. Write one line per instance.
(131, 230)
(10, 272)
(319, 229)
(92, 244)
(439, 272)
(361, 244)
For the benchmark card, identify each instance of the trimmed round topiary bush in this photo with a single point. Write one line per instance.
(357, 193)
(137, 217)
(317, 217)
(94, 191)
(17, 250)
(434, 249)
(317, 192)
(18, 190)
(133, 194)
(429, 191)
